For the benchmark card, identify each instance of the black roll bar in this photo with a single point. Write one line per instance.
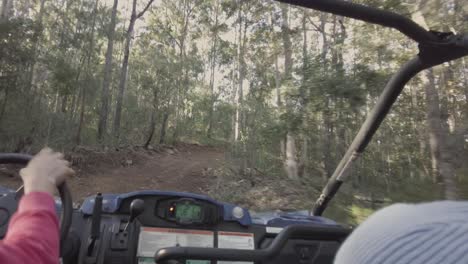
(368, 129)
(369, 14)
(318, 233)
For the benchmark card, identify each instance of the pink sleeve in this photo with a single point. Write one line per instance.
(33, 235)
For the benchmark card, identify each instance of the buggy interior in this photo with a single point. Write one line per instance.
(174, 227)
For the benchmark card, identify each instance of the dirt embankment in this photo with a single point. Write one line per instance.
(180, 168)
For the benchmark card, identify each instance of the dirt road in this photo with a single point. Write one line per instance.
(171, 170)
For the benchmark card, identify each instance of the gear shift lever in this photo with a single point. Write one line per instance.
(136, 208)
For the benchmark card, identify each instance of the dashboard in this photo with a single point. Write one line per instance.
(172, 227)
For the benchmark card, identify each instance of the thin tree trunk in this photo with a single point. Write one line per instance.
(152, 128)
(304, 99)
(162, 137)
(240, 80)
(153, 122)
(32, 70)
(277, 71)
(182, 81)
(213, 67)
(88, 76)
(323, 22)
(7, 10)
(442, 168)
(4, 104)
(52, 118)
(290, 162)
(124, 71)
(104, 111)
(327, 135)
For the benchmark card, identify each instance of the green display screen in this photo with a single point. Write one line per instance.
(188, 212)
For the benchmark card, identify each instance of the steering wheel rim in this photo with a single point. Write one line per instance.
(64, 192)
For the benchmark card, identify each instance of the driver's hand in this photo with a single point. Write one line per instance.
(45, 172)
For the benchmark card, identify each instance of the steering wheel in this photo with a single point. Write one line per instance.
(9, 201)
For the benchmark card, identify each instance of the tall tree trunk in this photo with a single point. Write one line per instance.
(290, 162)
(442, 168)
(277, 71)
(241, 115)
(32, 71)
(304, 96)
(182, 81)
(107, 79)
(124, 70)
(88, 76)
(323, 22)
(212, 75)
(328, 131)
(241, 76)
(287, 44)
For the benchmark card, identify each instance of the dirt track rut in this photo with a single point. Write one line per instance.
(183, 170)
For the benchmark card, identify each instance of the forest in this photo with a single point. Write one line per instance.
(283, 90)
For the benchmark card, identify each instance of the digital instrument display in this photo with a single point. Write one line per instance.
(188, 212)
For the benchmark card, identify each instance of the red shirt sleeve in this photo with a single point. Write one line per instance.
(33, 232)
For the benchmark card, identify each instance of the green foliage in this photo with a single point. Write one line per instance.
(213, 72)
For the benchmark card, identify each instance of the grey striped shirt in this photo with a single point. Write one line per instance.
(426, 233)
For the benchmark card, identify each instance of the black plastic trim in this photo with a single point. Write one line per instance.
(319, 233)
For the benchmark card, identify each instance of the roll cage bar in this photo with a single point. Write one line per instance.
(434, 48)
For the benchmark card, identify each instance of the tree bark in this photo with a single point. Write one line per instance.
(323, 22)
(290, 162)
(154, 116)
(213, 68)
(241, 75)
(7, 10)
(304, 97)
(277, 71)
(152, 128)
(162, 137)
(32, 70)
(4, 104)
(287, 44)
(104, 111)
(88, 77)
(328, 131)
(124, 70)
(442, 168)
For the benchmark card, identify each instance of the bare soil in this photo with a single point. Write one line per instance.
(180, 168)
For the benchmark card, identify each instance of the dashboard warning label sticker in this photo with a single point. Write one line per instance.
(153, 238)
(235, 240)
